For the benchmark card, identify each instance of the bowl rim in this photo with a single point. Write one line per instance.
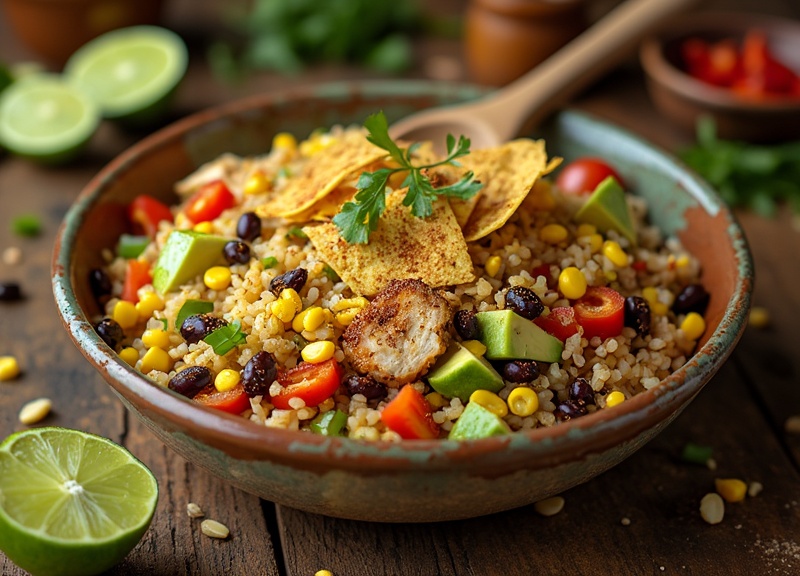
(249, 441)
(662, 71)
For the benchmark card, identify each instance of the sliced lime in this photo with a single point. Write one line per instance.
(71, 503)
(131, 72)
(44, 118)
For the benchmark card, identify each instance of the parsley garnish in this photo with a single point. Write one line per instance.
(359, 218)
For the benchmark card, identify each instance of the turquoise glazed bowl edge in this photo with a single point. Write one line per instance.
(414, 481)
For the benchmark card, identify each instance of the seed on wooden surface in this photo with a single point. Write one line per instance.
(35, 411)
(194, 511)
(214, 529)
(712, 508)
(12, 256)
(792, 424)
(549, 506)
(754, 489)
(323, 573)
(625, 521)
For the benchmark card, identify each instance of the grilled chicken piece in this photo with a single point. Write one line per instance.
(400, 334)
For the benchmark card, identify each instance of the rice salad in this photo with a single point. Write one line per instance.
(265, 311)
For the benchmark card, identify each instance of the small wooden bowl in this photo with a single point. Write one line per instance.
(684, 99)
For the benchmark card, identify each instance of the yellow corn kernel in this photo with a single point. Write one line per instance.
(284, 141)
(491, 401)
(659, 308)
(492, 266)
(475, 346)
(345, 303)
(319, 351)
(283, 309)
(614, 398)
(523, 401)
(553, 233)
(585, 230)
(9, 368)
(731, 489)
(346, 317)
(614, 252)
(203, 227)
(256, 183)
(149, 303)
(155, 337)
(572, 283)
(227, 379)
(125, 314)
(323, 573)
(156, 359)
(313, 318)
(650, 294)
(315, 143)
(291, 295)
(217, 278)
(595, 243)
(297, 321)
(129, 355)
(436, 400)
(610, 275)
(693, 326)
(759, 317)
(682, 261)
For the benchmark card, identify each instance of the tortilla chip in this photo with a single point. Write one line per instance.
(508, 173)
(403, 246)
(322, 175)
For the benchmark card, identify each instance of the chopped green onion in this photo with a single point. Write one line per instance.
(130, 246)
(299, 341)
(269, 262)
(165, 323)
(696, 454)
(331, 274)
(296, 232)
(284, 172)
(27, 225)
(226, 338)
(192, 307)
(329, 423)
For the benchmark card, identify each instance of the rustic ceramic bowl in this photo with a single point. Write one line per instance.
(409, 481)
(684, 99)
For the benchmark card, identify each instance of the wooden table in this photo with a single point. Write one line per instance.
(641, 517)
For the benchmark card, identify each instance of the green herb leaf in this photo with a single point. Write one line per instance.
(696, 454)
(192, 307)
(130, 246)
(359, 218)
(28, 225)
(296, 232)
(226, 338)
(331, 274)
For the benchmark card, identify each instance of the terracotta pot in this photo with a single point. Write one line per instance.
(506, 38)
(54, 29)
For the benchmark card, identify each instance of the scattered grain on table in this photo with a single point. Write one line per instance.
(12, 256)
(323, 573)
(731, 489)
(549, 506)
(754, 489)
(792, 425)
(214, 529)
(759, 317)
(625, 521)
(712, 508)
(35, 411)
(9, 368)
(194, 511)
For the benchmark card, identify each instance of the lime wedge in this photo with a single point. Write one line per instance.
(130, 72)
(71, 503)
(44, 118)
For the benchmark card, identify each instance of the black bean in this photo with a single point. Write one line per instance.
(111, 332)
(258, 374)
(10, 292)
(100, 284)
(198, 326)
(236, 252)
(294, 279)
(637, 314)
(466, 324)
(524, 302)
(693, 298)
(570, 409)
(521, 371)
(368, 387)
(249, 226)
(580, 391)
(190, 381)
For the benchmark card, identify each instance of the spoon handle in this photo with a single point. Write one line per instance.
(573, 67)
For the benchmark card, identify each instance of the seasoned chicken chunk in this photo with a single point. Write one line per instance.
(400, 334)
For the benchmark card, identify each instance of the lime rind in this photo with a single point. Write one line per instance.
(131, 71)
(56, 527)
(44, 118)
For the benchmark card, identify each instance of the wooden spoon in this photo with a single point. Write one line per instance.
(499, 116)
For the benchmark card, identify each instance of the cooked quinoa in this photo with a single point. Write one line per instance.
(518, 254)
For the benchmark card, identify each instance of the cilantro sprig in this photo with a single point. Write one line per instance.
(359, 218)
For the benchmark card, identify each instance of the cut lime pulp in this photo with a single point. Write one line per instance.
(44, 118)
(131, 72)
(71, 503)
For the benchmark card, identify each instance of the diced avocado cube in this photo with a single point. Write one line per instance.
(185, 255)
(509, 336)
(607, 209)
(477, 422)
(459, 372)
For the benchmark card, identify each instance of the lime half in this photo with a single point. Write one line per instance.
(44, 118)
(131, 72)
(71, 503)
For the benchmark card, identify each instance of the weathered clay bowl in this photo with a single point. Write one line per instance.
(413, 480)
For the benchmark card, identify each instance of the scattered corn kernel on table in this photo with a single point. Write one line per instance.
(641, 517)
